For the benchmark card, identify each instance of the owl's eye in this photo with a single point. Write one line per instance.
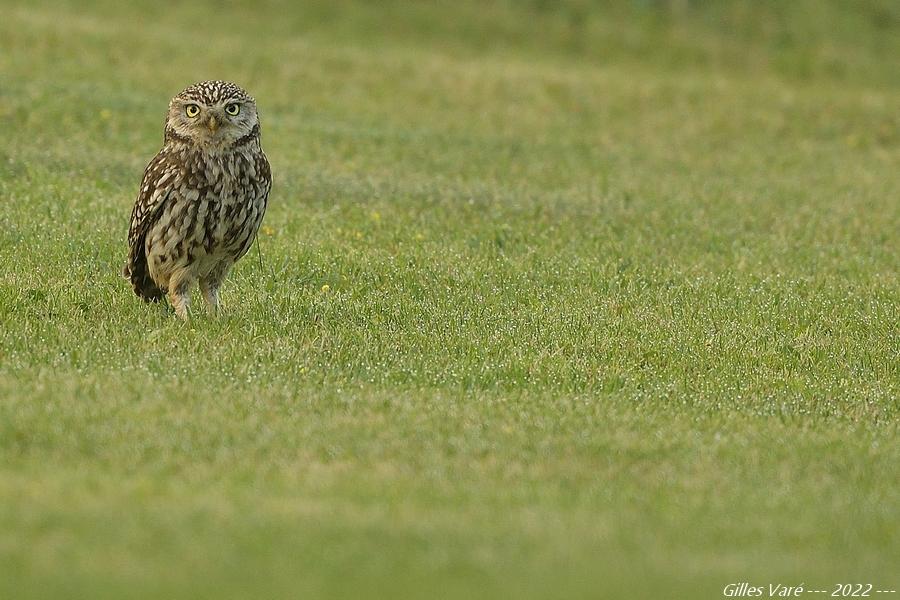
(233, 109)
(192, 110)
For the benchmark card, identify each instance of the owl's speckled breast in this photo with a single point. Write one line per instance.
(218, 204)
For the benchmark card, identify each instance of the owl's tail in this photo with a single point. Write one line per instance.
(136, 270)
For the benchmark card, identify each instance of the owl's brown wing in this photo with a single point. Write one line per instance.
(259, 198)
(156, 187)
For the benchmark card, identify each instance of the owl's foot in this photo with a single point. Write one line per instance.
(211, 295)
(210, 284)
(180, 285)
(182, 304)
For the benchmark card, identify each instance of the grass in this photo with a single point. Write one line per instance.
(553, 300)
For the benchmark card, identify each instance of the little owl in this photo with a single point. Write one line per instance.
(202, 197)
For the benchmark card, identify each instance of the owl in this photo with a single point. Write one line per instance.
(202, 197)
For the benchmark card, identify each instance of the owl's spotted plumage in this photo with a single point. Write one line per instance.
(202, 198)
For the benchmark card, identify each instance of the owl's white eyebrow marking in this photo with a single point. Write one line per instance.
(210, 92)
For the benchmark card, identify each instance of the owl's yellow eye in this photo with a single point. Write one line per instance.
(233, 109)
(192, 110)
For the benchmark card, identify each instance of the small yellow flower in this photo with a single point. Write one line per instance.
(376, 216)
(325, 288)
(359, 235)
(266, 230)
(420, 237)
(105, 114)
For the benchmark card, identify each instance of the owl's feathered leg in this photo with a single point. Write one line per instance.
(181, 304)
(180, 293)
(211, 295)
(210, 284)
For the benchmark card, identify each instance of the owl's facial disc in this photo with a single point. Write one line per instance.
(215, 125)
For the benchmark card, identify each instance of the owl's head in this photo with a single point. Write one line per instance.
(213, 114)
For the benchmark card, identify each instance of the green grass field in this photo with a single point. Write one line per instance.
(553, 301)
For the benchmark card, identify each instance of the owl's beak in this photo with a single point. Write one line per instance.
(212, 123)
